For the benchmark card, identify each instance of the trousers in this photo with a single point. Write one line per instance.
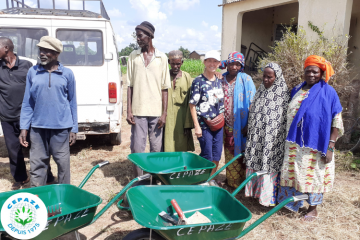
(143, 127)
(44, 143)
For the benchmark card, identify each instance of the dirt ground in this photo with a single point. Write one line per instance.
(339, 215)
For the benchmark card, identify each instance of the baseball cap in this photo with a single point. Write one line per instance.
(51, 43)
(212, 54)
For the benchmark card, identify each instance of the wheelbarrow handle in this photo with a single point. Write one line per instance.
(242, 185)
(103, 164)
(271, 212)
(101, 212)
(225, 166)
(91, 173)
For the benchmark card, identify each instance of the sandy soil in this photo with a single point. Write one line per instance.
(339, 215)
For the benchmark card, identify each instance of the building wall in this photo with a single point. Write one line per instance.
(259, 26)
(333, 15)
(233, 17)
(354, 42)
(194, 56)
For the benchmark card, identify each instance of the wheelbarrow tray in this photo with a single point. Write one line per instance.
(227, 215)
(174, 168)
(78, 207)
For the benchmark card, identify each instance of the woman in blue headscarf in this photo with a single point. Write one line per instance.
(239, 91)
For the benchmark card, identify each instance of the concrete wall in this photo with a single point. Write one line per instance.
(354, 42)
(259, 26)
(233, 17)
(333, 15)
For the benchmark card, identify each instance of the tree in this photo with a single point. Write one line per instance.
(185, 51)
(132, 46)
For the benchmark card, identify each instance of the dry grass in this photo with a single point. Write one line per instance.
(339, 215)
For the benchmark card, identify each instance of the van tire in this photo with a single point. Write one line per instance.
(115, 138)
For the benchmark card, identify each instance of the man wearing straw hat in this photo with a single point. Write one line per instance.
(49, 106)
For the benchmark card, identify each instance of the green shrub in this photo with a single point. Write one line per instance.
(123, 69)
(193, 67)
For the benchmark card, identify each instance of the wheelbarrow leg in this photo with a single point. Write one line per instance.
(225, 166)
(77, 235)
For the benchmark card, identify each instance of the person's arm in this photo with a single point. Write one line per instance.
(73, 107)
(162, 119)
(27, 111)
(165, 85)
(333, 137)
(129, 74)
(189, 123)
(129, 117)
(251, 92)
(198, 131)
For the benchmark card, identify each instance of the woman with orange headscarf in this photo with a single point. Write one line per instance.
(313, 124)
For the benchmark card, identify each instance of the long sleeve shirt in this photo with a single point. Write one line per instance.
(50, 99)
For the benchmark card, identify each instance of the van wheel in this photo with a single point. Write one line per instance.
(115, 138)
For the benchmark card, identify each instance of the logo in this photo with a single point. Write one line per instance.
(24, 216)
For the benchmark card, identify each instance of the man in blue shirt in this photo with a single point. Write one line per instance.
(49, 106)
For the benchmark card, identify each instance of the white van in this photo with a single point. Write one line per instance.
(90, 51)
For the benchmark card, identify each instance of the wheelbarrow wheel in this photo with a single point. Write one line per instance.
(143, 234)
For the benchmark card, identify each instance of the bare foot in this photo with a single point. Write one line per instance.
(311, 214)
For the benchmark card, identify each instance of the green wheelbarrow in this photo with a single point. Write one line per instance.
(78, 207)
(227, 215)
(173, 168)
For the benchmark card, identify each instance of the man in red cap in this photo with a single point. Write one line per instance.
(148, 80)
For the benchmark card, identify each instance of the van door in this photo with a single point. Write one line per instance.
(84, 55)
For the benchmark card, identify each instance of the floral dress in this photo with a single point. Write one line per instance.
(208, 97)
(235, 174)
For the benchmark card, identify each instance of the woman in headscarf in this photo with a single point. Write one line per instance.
(313, 123)
(266, 135)
(239, 91)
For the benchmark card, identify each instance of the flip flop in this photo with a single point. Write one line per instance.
(310, 218)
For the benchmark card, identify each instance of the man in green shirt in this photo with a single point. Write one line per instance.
(178, 137)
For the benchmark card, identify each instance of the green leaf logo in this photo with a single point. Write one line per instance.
(22, 216)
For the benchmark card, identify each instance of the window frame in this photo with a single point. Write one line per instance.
(31, 28)
(85, 30)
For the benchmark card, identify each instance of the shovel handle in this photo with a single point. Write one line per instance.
(177, 209)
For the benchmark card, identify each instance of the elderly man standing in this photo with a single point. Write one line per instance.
(148, 80)
(49, 106)
(178, 137)
(13, 72)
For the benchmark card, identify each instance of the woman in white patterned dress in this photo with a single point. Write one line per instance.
(313, 124)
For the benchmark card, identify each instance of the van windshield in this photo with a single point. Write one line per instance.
(25, 40)
(81, 47)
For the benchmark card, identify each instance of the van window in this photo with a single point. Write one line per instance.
(81, 47)
(25, 40)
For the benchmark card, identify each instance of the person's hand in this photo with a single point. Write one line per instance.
(187, 131)
(130, 119)
(162, 120)
(72, 138)
(329, 155)
(22, 138)
(219, 75)
(244, 131)
(198, 132)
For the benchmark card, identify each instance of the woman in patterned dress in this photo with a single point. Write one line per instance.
(239, 91)
(313, 123)
(266, 135)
